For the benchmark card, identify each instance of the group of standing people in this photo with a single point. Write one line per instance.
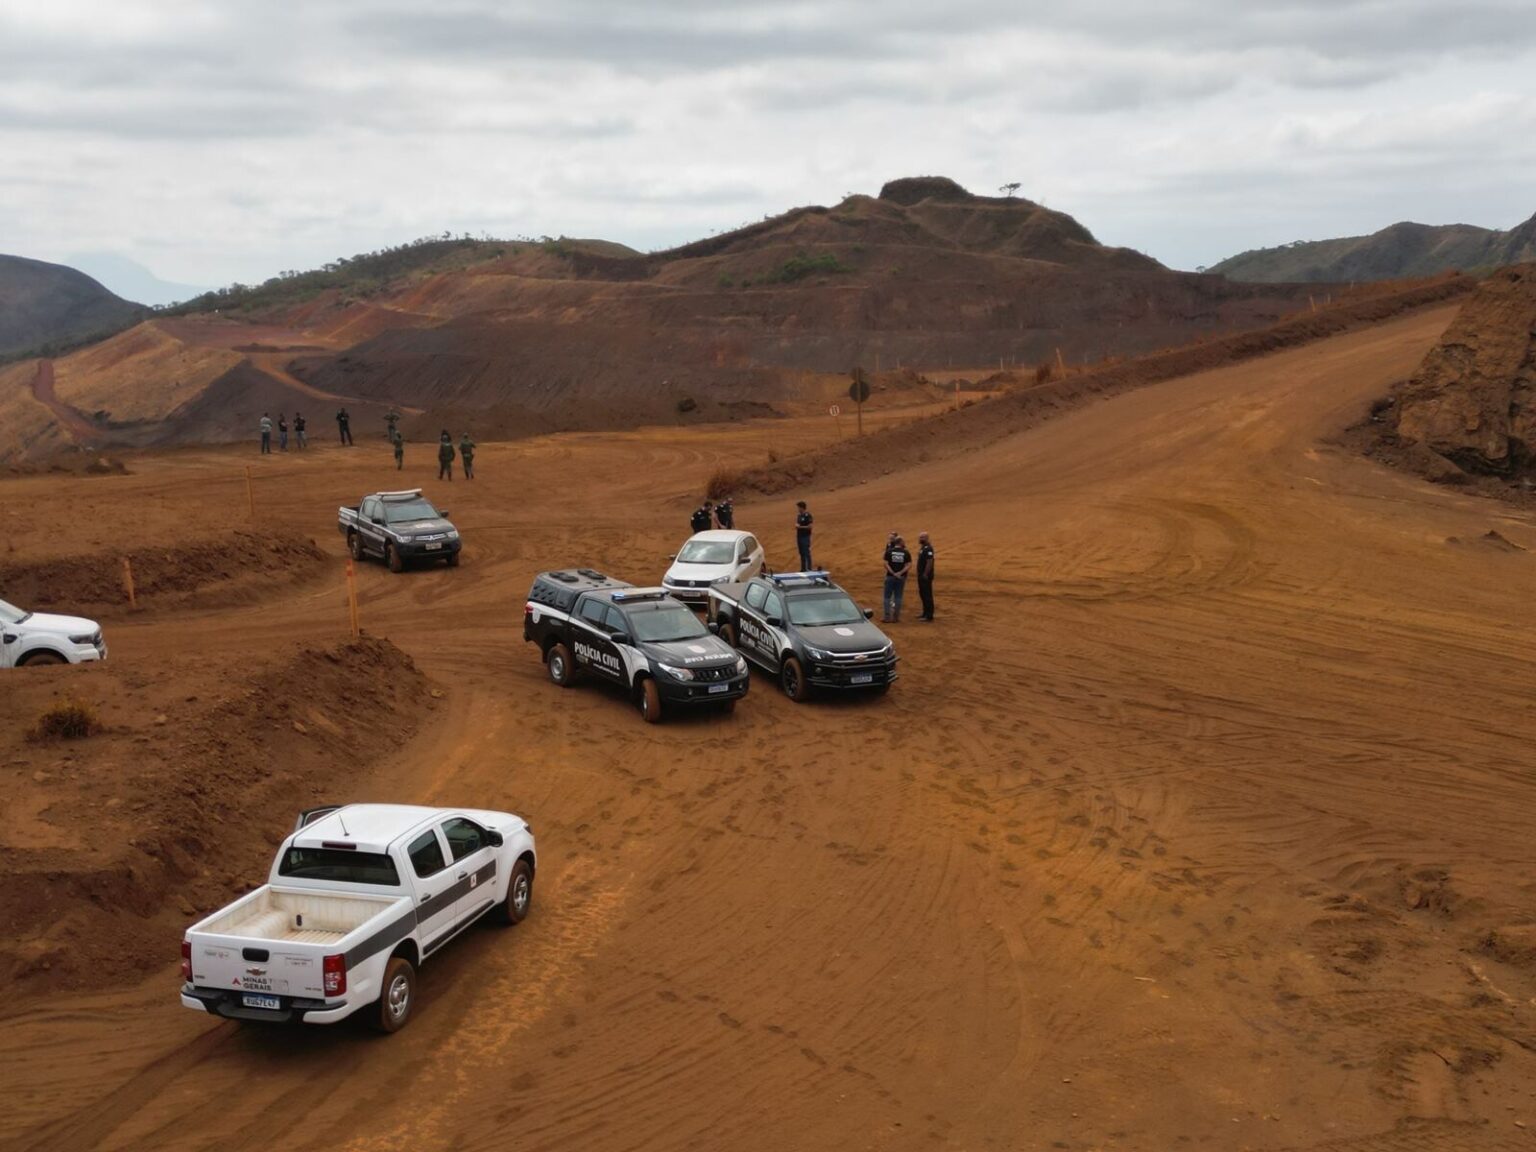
(282, 432)
(721, 515)
(899, 565)
(445, 454)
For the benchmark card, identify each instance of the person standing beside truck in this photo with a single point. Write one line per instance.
(725, 514)
(298, 430)
(266, 434)
(898, 565)
(803, 522)
(467, 455)
(925, 574)
(700, 519)
(445, 456)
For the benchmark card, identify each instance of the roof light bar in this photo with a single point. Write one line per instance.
(819, 576)
(408, 494)
(640, 594)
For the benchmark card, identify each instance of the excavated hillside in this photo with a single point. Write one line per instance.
(524, 337)
(1470, 402)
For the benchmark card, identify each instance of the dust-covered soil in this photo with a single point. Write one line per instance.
(1199, 818)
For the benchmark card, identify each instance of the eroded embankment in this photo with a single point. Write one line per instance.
(972, 427)
(222, 570)
(112, 844)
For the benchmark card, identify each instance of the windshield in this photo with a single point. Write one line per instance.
(666, 623)
(339, 866)
(407, 510)
(10, 614)
(707, 552)
(821, 610)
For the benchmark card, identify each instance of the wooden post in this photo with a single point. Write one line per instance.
(1312, 301)
(352, 599)
(128, 582)
(250, 493)
(860, 400)
(1061, 365)
(957, 395)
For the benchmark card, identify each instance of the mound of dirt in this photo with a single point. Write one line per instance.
(984, 423)
(162, 577)
(187, 794)
(1471, 401)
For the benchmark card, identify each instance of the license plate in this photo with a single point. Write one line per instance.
(862, 678)
(714, 688)
(272, 1003)
(433, 547)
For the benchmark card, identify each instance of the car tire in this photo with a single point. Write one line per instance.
(792, 680)
(650, 701)
(41, 658)
(392, 558)
(558, 661)
(393, 1010)
(728, 634)
(514, 909)
(453, 559)
(354, 545)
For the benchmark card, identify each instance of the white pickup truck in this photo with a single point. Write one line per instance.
(32, 638)
(358, 897)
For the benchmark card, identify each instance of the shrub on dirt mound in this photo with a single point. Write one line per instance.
(1471, 400)
(185, 799)
(158, 573)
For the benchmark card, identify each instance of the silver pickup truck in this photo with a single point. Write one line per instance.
(358, 898)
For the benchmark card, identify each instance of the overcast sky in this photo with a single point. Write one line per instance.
(216, 141)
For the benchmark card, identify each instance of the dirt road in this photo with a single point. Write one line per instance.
(79, 429)
(1201, 818)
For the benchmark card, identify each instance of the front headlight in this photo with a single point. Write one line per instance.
(453, 533)
(741, 665)
(817, 653)
(88, 638)
(677, 673)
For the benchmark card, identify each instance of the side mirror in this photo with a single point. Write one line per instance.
(714, 627)
(775, 622)
(442, 513)
(869, 613)
(622, 638)
(379, 520)
(494, 838)
(673, 556)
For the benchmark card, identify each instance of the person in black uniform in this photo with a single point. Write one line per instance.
(803, 522)
(701, 518)
(344, 425)
(725, 514)
(925, 574)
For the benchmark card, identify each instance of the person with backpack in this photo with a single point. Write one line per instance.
(467, 455)
(445, 456)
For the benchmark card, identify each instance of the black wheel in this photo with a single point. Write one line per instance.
(453, 559)
(558, 661)
(40, 658)
(398, 998)
(392, 558)
(728, 634)
(650, 701)
(792, 678)
(354, 545)
(514, 909)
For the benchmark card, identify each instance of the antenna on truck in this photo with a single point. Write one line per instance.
(343, 821)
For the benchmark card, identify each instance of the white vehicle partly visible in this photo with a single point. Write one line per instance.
(358, 898)
(718, 556)
(28, 638)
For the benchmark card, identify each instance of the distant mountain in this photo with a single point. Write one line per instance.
(48, 306)
(1399, 252)
(131, 280)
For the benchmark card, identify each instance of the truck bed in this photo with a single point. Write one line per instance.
(296, 916)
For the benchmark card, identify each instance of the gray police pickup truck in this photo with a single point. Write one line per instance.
(806, 630)
(399, 527)
(641, 639)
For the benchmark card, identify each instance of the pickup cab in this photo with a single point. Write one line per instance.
(399, 527)
(639, 639)
(358, 898)
(807, 631)
(33, 638)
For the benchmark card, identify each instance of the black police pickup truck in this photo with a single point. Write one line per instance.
(398, 527)
(641, 639)
(805, 629)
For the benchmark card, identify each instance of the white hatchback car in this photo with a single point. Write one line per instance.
(718, 556)
(38, 638)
